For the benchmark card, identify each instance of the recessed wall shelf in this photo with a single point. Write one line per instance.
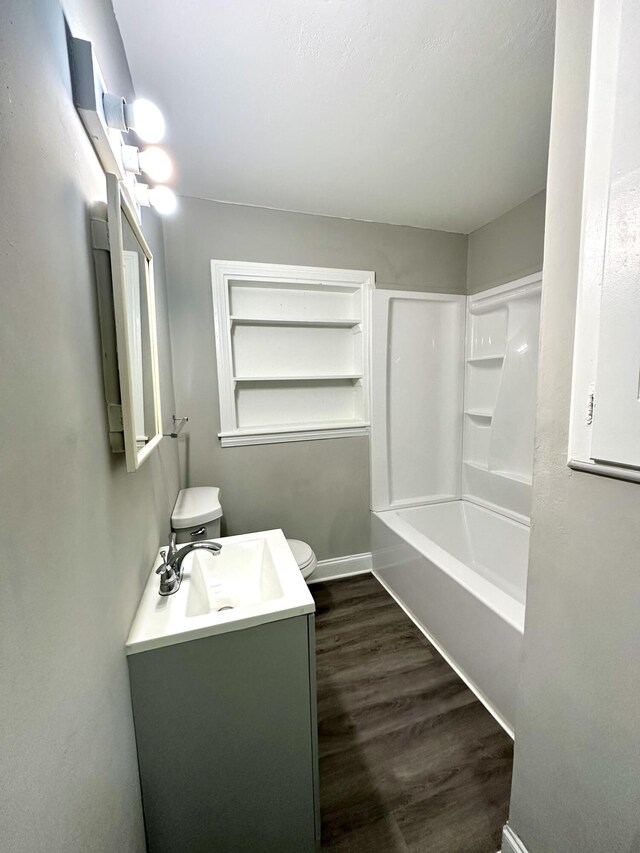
(272, 319)
(264, 321)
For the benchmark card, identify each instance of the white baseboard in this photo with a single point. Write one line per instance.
(510, 841)
(342, 567)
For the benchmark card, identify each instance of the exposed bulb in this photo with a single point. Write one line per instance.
(156, 163)
(163, 199)
(146, 119)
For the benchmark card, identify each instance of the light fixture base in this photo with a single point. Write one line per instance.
(115, 111)
(97, 108)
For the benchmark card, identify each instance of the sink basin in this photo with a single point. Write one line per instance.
(254, 579)
(241, 575)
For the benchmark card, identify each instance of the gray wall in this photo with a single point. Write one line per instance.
(577, 759)
(507, 248)
(317, 491)
(78, 533)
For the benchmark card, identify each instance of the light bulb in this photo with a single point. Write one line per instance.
(163, 199)
(146, 119)
(142, 194)
(156, 163)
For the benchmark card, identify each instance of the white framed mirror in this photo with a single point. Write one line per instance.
(128, 325)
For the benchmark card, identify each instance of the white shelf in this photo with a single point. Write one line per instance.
(282, 433)
(328, 377)
(485, 359)
(347, 323)
(485, 414)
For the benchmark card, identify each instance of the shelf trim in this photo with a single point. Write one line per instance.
(346, 323)
(284, 434)
(328, 377)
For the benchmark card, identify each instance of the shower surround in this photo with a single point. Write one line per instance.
(453, 414)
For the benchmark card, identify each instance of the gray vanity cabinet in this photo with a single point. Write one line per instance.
(227, 746)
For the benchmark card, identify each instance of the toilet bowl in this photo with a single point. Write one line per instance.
(196, 516)
(304, 556)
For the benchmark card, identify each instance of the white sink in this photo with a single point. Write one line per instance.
(254, 579)
(241, 575)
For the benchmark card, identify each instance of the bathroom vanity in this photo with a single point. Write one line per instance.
(223, 692)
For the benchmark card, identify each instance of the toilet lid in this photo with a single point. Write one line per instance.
(196, 505)
(301, 551)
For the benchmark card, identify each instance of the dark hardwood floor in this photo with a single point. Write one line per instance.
(409, 758)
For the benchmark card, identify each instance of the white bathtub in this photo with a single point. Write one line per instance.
(459, 571)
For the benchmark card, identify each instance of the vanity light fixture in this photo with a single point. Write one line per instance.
(154, 161)
(106, 117)
(142, 116)
(161, 198)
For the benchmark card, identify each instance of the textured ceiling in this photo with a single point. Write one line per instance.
(419, 112)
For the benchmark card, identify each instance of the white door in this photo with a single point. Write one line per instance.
(616, 412)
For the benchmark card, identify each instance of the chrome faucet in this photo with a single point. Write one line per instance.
(170, 570)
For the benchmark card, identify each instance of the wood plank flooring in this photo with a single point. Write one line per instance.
(410, 760)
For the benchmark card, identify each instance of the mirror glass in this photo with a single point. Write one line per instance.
(136, 271)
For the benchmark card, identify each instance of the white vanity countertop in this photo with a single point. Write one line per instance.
(254, 580)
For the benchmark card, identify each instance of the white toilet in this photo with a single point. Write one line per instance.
(305, 558)
(197, 515)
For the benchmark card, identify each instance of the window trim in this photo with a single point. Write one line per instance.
(222, 271)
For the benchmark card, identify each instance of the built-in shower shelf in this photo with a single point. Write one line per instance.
(327, 377)
(482, 414)
(339, 323)
(479, 466)
(512, 475)
(485, 359)
(508, 475)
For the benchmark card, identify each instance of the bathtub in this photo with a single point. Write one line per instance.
(459, 571)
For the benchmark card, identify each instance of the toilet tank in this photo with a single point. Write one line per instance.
(197, 514)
